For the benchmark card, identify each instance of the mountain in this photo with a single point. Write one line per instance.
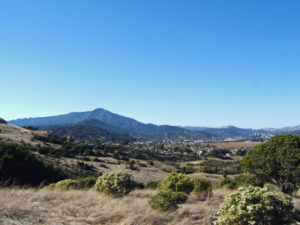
(111, 122)
(102, 125)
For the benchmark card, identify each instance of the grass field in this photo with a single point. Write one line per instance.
(232, 144)
(30, 206)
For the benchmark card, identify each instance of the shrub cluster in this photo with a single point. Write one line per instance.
(152, 185)
(19, 166)
(220, 167)
(202, 188)
(69, 184)
(254, 205)
(177, 182)
(174, 190)
(115, 184)
(167, 200)
(239, 181)
(86, 182)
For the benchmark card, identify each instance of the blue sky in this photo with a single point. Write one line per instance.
(197, 63)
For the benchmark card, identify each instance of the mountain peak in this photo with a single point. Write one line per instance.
(226, 127)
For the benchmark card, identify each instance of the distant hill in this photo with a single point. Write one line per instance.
(86, 132)
(292, 129)
(230, 131)
(111, 122)
(225, 131)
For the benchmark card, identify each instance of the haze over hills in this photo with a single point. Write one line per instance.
(101, 121)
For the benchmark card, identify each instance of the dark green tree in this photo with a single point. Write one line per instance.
(277, 160)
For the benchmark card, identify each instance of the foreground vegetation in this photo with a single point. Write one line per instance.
(18, 166)
(248, 203)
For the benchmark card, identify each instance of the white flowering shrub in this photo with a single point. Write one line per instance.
(115, 184)
(257, 206)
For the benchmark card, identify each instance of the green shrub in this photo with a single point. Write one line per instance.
(202, 188)
(86, 182)
(239, 181)
(177, 182)
(186, 170)
(67, 184)
(50, 187)
(226, 183)
(254, 205)
(246, 180)
(115, 184)
(139, 185)
(152, 185)
(19, 166)
(167, 200)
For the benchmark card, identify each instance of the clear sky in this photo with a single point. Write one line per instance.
(197, 63)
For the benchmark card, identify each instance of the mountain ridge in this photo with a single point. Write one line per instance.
(116, 123)
(129, 125)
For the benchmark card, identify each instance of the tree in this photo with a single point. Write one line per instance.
(277, 160)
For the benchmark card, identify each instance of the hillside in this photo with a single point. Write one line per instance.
(14, 134)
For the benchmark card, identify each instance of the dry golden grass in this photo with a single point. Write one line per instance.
(232, 144)
(19, 135)
(29, 206)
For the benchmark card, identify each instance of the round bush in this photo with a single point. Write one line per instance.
(254, 205)
(202, 188)
(177, 182)
(115, 184)
(67, 184)
(86, 182)
(167, 200)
